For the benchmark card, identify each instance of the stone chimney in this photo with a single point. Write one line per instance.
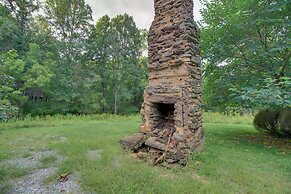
(171, 113)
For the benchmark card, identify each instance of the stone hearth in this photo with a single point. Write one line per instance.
(172, 127)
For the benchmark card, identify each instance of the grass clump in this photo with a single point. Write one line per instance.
(8, 173)
(47, 161)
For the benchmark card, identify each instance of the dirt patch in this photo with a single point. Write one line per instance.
(168, 175)
(200, 179)
(58, 139)
(94, 154)
(117, 162)
(63, 139)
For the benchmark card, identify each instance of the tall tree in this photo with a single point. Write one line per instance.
(17, 16)
(43, 35)
(70, 21)
(116, 52)
(22, 10)
(10, 34)
(100, 55)
(125, 55)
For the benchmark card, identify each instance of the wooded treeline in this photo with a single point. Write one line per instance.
(53, 59)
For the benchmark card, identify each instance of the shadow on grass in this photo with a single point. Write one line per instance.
(282, 144)
(240, 134)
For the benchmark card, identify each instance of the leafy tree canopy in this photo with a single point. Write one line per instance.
(246, 48)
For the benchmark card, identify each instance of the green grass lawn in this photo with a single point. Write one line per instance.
(236, 159)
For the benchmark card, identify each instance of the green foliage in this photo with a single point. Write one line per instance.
(70, 24)
(10, 35)
(39, 68)
(20, 74)
(216, 94)
(70, 19)
(116, 55)
(246, 49)
(7, 110)
(22, 10)
(18, 16)
(58, 62)
(275, 93)
(11, 88)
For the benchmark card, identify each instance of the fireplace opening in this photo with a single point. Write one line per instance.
(165, 117)
(166, 111)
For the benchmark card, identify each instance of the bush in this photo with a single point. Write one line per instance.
(267, 120)
(285, 122)
(273, 121)
(7, 111)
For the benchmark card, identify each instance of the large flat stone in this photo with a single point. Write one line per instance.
(152, 142)
(133, 142)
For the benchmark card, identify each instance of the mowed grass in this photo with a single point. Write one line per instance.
(215, 117)
(236, 159)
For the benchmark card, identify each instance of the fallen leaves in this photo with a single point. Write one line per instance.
(63, 177)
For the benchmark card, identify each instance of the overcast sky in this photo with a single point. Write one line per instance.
(141, 10)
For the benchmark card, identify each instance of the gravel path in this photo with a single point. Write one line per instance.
(33, 183)
(34, 160)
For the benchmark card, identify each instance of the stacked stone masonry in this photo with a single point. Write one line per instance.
(172, 126)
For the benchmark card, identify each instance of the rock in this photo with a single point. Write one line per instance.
(172, 144)
(142, 155)
(152, 142)
(178, 138)
(133, 142)
(175, 155)
(162, 140)
(143, 129)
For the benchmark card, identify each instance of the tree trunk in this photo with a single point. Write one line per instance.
(116, 101)
(103, 95)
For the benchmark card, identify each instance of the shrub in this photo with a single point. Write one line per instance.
(285, 122)
(7, 111)
(267, 120)
(273, 121)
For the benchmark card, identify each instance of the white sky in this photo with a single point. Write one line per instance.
(141, 10)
